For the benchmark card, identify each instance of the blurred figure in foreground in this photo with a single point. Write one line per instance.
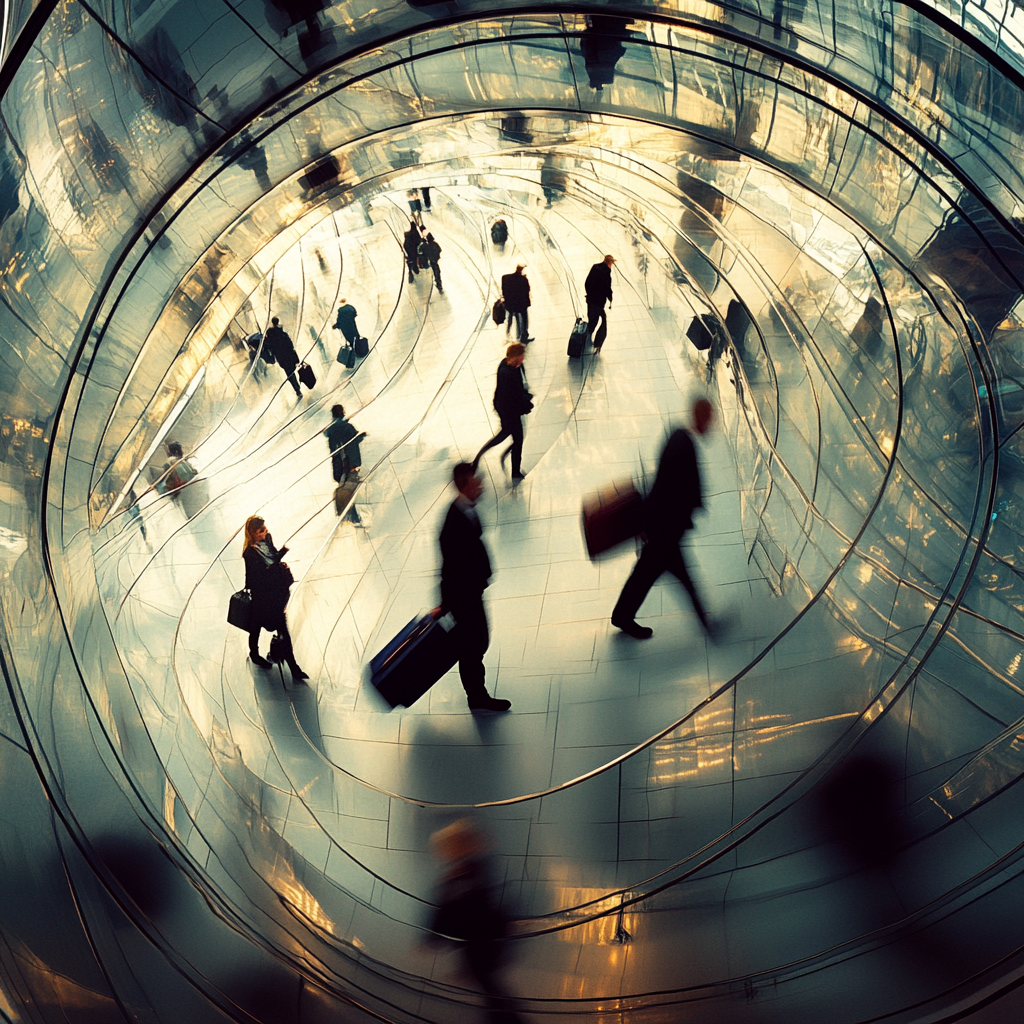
(468, 911)
(667, 515)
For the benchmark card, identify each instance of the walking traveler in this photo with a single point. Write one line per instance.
(411, 245)
(465, 574)
(512, 401)
(280, 345)
(346, 322)
(515, 293)
(268, 581)
(429, 254)
(598, 288)
(343, 440)
(667, 515)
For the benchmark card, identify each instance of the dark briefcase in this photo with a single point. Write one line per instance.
(578, 339)
(347, 356)
(410, 665)
(361, 346)
(307, 376)
(699, 332)
(343, 494)
(240, 610)
(611, 517)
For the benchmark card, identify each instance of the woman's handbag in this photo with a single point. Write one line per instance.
(240, 610)
(307, 376)
(347, 356)
(279, 649)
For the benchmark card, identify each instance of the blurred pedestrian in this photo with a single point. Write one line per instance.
(465, 574)
(515, 293)
(667, 515)
(280, 344)
(415, 206)
(343, 441)
(512, 401)
(468, 911)
(346, 322)
(429, 252)
(411, 245)
(598, 289)
(268, 580)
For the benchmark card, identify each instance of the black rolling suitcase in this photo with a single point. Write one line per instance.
(578, 339)
(307, 376)
(362, 347)
(410, 665)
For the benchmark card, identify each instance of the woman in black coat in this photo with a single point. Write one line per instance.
(268, 581)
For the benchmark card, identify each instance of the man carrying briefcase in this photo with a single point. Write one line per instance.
(465, 574)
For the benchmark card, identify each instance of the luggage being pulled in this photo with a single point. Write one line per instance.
(611, 517)
(343, 494)
(240, 610)
(498, 312)
(700, 331)
(347, 356)
(578, 339)
(411, 663)
(307, 376)
(361, 347)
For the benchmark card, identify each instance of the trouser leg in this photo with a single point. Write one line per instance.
(352, 515)
(294, 381)
(676, 565)
(524, 325)
(596, 315)
(648, 568)
(437, 277)
(254, 641)
(471, 641)
(515, 428)
(496, 440)
(413, 263)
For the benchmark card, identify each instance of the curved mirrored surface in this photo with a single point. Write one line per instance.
(812, 813)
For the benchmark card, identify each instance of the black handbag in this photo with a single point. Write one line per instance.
(240, 610)
(279, 649)
(699, 332)
(347, 356)
(307, 376)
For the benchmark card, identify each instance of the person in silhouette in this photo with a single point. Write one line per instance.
(667, 515)
(468, 912)
(346, 322)
(343, 440)
(598, 290)
(602, 44)
(512, 401)
(281, 347)
(515, 293)
(411, 245)
(429, 252)
(268, 580)
(465, 574)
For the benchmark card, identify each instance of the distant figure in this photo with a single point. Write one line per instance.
(268, 581)
(415, 206)
(468, 911)
(512, 401)
(177, 470)
(515, 292)
(429, 252)
(598, 288)
(465, 574)
(425, 192)
(134, 513)
(499, 232)
(667, 515)
(343, 440)
(411, 245)
(280, 345)
(346, 322)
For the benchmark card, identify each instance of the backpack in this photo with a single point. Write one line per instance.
(498, 312)
(499, 232)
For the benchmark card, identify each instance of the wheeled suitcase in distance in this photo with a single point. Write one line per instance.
(578, 339)
(410, 665)
(361, 347)
(699, 332)
(343, 494)
(611, 517)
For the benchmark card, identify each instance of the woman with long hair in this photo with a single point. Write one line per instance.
(269, 581)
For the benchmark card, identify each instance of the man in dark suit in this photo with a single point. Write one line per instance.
(515, 293)
(598, 289)
(465, 574)
(280, 344)
(512, 402)
(667, 514)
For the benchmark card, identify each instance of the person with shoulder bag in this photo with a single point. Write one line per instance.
(268, 580)
(512, 401)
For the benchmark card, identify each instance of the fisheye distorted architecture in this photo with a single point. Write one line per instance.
(806, 811)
